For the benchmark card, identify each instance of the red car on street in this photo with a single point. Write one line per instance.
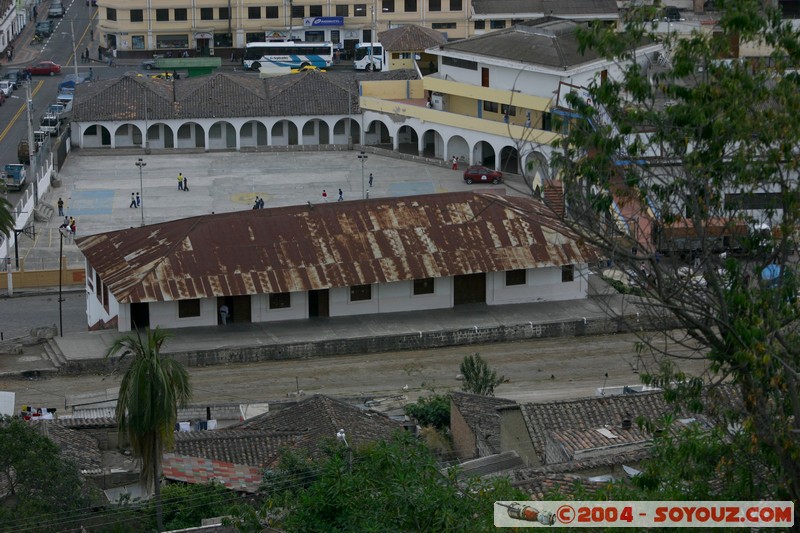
(44, 68)
(482, 174)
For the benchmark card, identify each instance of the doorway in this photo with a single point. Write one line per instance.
(469, 289)
(239, 311)
(319, 303)
(203, 47)
(140, 316)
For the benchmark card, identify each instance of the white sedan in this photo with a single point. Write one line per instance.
(6, 87)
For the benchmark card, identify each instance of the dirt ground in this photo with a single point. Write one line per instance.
(537, 370)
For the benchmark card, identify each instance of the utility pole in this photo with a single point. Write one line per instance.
(74, 50)
(32, 150)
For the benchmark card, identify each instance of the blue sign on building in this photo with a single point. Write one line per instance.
(323, 21)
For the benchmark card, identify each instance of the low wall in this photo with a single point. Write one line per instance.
(31, 279)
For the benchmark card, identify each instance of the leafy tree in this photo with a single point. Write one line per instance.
(45, 492)
(186, 505)
(6, 218)
(478, 377)
(431, 411)
(150, 393)
(701, 156)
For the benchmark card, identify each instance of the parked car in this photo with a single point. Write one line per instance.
(6, 88)
(14, 76)
(44, 28)
(482, 174)
(149, 64)
(44, 68)
(671, 14)
(55, 11)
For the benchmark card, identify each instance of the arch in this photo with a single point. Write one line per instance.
(253, 133)
(221, 135)
(457, 146)
(96, 136)
(160, 135)
(433, 144)
(316, 131)
(483, 154)
(340, 132)
(127, 136)
(377, 134)
(284, 133)
(407, 140)
(509, 160)
(191, 135)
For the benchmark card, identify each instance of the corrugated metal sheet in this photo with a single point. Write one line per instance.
(337, 244)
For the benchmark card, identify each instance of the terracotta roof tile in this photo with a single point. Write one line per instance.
(410, 38)
(481, 415)
(199, 470)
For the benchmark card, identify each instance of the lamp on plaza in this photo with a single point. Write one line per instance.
(60, 284)
(363, 157)
(141, 164)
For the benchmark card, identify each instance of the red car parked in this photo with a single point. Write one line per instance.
(44, 68)
(482, 174)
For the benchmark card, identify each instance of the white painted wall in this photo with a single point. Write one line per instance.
(260, 311)
(398, 297)
(340, 304)
(542, 285)
(165, 315)
(95, 312)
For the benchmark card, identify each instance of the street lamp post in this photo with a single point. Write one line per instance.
(363, 157)
(141, 164)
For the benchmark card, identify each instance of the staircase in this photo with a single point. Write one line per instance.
(43, 212)
(53, 354)
(554, 197)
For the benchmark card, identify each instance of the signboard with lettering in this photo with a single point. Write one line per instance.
(323, 21)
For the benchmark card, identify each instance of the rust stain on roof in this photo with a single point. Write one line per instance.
(301, 248)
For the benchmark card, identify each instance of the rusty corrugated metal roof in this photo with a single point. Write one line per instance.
(337, 244)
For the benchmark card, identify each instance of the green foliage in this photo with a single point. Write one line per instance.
(388, 486)
(187, 505)
(478, 377)
(431, 411)
(46, 492)
(6, 218)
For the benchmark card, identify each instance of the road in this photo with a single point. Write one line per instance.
(536, 370)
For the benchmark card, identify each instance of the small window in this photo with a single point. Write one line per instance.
(423, 286)
(510, 110)
(388, 6)
(181, 14)
(359, 293)
(443, 25)
(360, 10)
(491, 107)
(434, 5)
(254, 12)
(516, 277)
(280, 300)
(410, 6)
(298, 12)
(162, 15)
(188, 308)
(497, 24)
(480, 24)
(224, 13)
(314, 11)
(567, 273)
(137, 15)
(343, 11)
(271, 12)
(221, 40)
(206, 13)
(456, 5)
(111, 13)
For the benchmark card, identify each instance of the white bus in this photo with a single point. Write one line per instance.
(287, 54)
(369, 56)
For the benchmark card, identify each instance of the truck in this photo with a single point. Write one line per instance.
(369, 57)
(14, 176)
(24, 151)
(51, 124)
(65, 97)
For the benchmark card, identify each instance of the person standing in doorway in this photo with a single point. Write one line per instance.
(455, 163)
(370, 179)
(223, 314)
(341, 196)
(133, 202)
(324, 195)
(60, 207)
(180, 181)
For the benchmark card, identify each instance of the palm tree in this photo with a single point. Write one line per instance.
(6, 218)
(151, 391)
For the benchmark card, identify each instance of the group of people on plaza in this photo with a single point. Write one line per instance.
(183, 182)
(341, 192)
(69, 226)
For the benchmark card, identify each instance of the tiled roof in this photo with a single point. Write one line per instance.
(78, 447)
(565, 484)
(480, 414)
(410, 38)
(87, 423)
(222, 95)
(337, 244)
(198, 470)
(319, 418)
(241, 446)
(558, 8)
(573, 441)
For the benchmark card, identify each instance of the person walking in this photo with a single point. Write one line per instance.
(180, 181)
(73, 226)
(60, 207)
(185, 183)
(324, 195)
(341, 196)
(223, 314)
(455, 163)
(138, 200)
(370, 179)
(133, 202)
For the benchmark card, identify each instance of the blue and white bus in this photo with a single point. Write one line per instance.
(287, 54)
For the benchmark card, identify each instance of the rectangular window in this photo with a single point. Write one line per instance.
(359, 293)
(188, 308)
(567, 273)
(388, 6)
(434, 5)
(206, 13)
(490, 107)
(423, 286)
(224, 13)
(223, 40)
(298, 12)
(516, 277)
(271, 12)
(547, 121)
(172, 41)
(280, 300)
(510, 110)
(162, 15)
(254, 37)
(360, 10)
(181, 14)
(253, 12)
(480, 24)
(343, 11)
(111, 13)
(443, 25)
(137, 15)
(314, 11)
(456, 5)
(497, 24)
(410, 6)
